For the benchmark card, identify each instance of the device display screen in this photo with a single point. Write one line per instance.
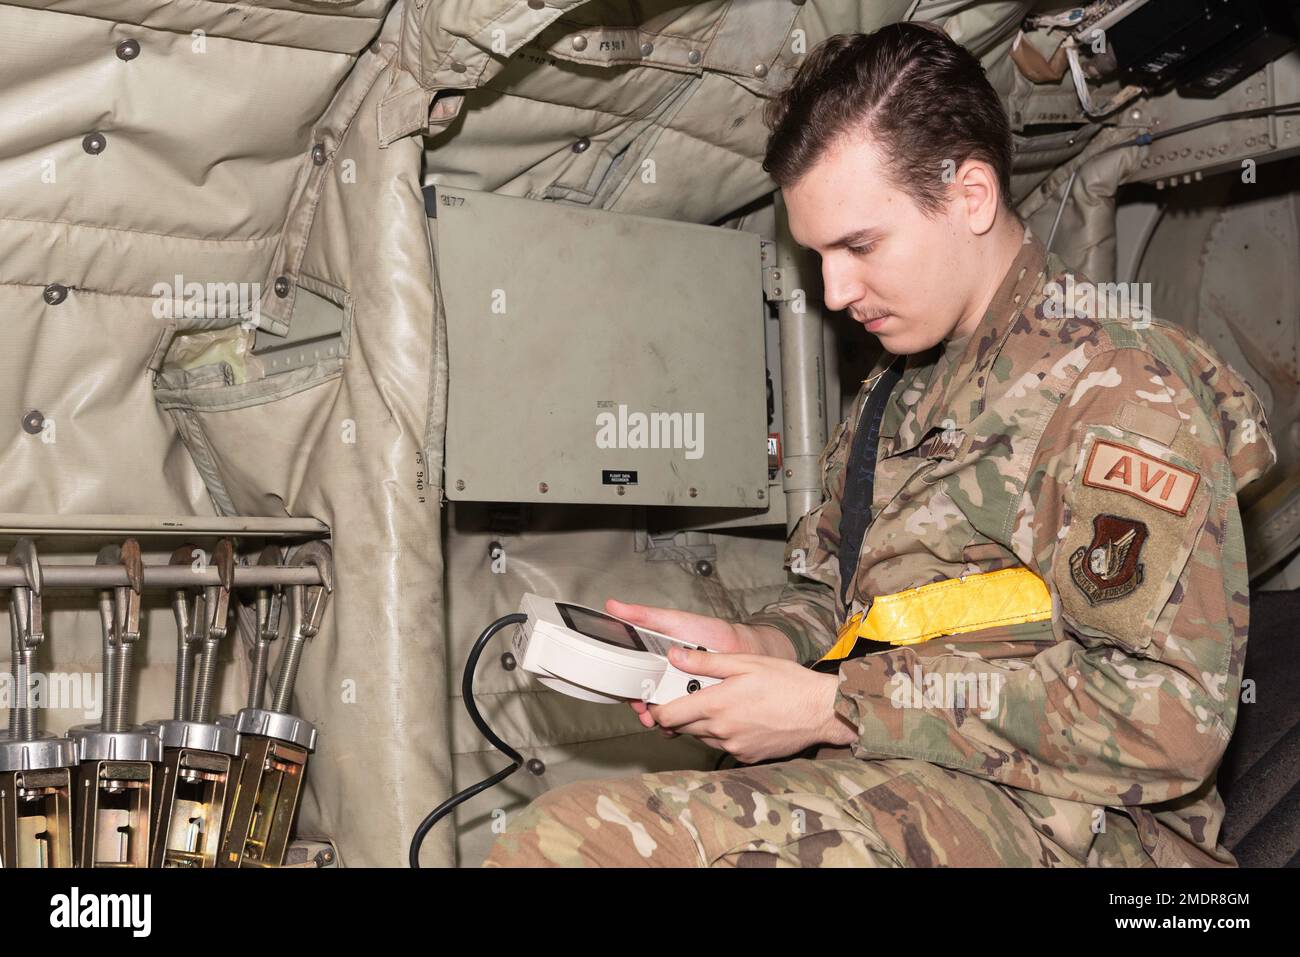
(601, 627)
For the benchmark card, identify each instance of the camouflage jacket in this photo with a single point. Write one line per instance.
(1103, 454)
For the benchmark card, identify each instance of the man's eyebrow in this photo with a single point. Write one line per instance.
(861, 235)
(856, 237)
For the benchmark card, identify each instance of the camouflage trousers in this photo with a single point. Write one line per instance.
(806, 812)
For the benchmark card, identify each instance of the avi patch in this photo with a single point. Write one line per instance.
(1118, 562)
(1121, 468)
(1107, 568)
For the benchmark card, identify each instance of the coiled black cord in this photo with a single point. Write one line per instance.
(467, 695)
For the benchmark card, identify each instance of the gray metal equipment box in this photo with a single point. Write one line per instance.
(599, 357)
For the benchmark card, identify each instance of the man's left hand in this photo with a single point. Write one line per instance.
(763, 708)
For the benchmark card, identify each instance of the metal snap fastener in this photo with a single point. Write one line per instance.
(580, 43)
(704, 568)
(508, 661)
(535, 766)
(692, 686)
(33, 422)
(94, 143)
(127, 50)
(580, 146)
(457, 66)
(282, 286)
(318, 155)
(55, 293)
(693, 57)
(760, 71)
(647, 49)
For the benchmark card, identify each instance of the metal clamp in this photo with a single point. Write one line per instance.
(307, 613)
(126, 608)
(218, 602)
(270, 604)
(26, 624)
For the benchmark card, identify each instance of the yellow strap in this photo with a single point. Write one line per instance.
(1011, 596)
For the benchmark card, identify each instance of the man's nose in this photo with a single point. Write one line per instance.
(840, 287)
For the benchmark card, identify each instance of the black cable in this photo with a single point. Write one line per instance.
(467, 695)
(1282, 109)
(1146, 139)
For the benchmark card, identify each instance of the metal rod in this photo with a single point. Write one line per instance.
(193, 656)
(288, 674)
(292, 657)
(125, 653)
(107, 631)
(15, 651)
(270, 602)
(180, 607)
(190, 526)
(257, 682)
(206, 679)
(161, 576)
(121, 665)
(26, 711)
(217, 616)
(803, 397)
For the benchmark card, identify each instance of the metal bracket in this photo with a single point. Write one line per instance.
(776, 281)
(676, 546)
(315, 334)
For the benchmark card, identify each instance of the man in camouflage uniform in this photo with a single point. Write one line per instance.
(1091, 460)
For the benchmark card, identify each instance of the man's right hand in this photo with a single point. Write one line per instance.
(712, 633)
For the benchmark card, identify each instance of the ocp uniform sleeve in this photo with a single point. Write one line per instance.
(1141, 545)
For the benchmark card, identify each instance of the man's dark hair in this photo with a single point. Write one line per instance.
(922, 97)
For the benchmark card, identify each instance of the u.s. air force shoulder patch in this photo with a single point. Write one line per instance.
(1108, 568)
(1135, 509)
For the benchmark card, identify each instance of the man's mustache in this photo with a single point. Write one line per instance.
(862, 316)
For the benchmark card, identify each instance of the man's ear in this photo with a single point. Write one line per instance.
(977, 191)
